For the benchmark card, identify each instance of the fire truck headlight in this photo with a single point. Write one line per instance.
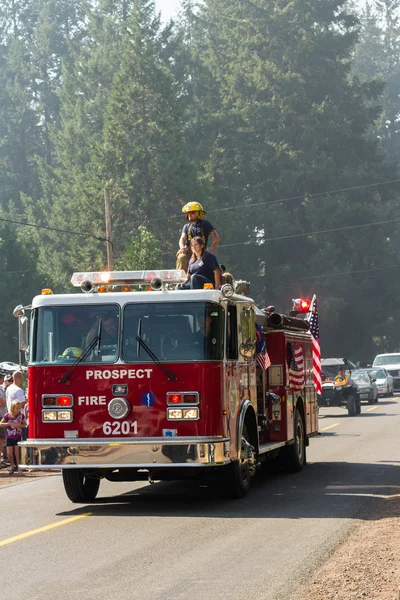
(191, 413)
(64, 415)
(49, 415)
(174, 413)
(227, 290)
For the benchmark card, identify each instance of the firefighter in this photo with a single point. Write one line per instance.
(196, 226)
(341, 378)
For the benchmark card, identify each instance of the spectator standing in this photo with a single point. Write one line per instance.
(15, 391)
(14, 421)
(3, 410)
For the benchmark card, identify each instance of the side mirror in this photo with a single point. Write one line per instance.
(373, 380)
(247, 350)
(18, 311)
(23, 333)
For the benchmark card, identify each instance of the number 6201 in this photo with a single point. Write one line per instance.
(119, 428)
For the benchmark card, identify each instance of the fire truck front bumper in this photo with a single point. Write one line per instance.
(113, 453)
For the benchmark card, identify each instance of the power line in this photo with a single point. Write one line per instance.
(297, 235)
(268, 202)
(80, 233)
(235, 207)
(315, 195)
(341, 274)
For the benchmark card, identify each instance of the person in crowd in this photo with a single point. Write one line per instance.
(203, 268)
(8, 380)
(14, 421)
(196, 226)
(3, 410)
(15, 391)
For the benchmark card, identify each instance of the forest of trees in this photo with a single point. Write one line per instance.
(281, 117)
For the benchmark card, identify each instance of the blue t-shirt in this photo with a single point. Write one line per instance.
(197, 229)
(205, 266)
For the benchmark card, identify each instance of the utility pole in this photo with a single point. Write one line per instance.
(110, 258)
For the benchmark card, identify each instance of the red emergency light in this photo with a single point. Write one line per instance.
(301, 305)
(182, 398)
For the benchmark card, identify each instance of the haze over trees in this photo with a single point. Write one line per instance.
(281, 117)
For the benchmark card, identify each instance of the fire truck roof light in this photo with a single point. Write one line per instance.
(101, 278)
(301, 305)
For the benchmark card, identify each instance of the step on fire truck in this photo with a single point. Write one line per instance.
(135, 379)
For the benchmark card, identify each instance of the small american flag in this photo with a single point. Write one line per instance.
(316, 346)
(296, 379)
(264, 360)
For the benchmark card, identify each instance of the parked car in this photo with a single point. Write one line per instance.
(391, 362)
(366, 386)
(384, 381)
(8, 368)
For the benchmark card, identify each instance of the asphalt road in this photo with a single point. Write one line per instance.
(170, 541)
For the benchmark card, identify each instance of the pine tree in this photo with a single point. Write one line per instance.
(377, 56)
(121, 129)
(292, 124)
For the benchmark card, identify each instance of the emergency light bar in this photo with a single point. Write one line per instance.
(106, 278)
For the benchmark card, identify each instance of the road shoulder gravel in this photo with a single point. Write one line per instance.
(367, 564)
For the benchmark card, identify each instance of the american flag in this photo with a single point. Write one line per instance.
(316, 346)
(264, 360)
(296, 367)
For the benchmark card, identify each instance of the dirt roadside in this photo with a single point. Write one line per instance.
(367, 564)
(21, 476)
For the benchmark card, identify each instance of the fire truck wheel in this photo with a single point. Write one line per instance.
(79, 487)
(293, 457)
(238, 474)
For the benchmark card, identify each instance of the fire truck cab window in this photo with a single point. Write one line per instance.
(180, 331)
(232, 333)
(61, 334)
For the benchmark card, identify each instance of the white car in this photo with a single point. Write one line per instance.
(390, 362)
(383, 380)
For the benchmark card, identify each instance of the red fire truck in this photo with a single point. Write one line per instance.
(135, 379)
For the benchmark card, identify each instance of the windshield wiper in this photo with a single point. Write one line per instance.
(154, 358)
(95, 342)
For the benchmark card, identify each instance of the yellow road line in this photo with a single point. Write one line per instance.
(330, 427)
(22, 536)
(372, 408)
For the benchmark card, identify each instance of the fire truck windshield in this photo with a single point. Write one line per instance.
(60, 334)
(179, 331)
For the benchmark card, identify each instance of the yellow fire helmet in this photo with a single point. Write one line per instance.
(71, 353)
(194, 206)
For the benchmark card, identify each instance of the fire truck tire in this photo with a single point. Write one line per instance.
(239, 472)
(79, 487)
(351, 405)
(293, 457)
